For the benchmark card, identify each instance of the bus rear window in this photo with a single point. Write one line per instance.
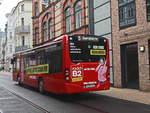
(86, 49)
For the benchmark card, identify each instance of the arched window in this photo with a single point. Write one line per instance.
(78, 11)
(44, 31)
(36, 35)
(50, 28)
(36, 9)
(68, 19)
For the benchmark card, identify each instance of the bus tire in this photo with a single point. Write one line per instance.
(40, 86)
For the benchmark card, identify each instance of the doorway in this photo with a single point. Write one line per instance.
(130, 66)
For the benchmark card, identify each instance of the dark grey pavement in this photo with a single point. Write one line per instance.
(9, 103)
(78, 103)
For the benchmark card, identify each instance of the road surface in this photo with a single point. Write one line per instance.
(92, 102)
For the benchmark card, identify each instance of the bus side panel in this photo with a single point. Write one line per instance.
(54, 83)
(15, 76)
(31, 80)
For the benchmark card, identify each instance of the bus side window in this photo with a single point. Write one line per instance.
(24, 60)
(27, 61)
(14, 64)
(33, 60)
(55, 61)
(47, 59)
(18, 64)
(59, 60)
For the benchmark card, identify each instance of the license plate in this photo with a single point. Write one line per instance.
(89, 86)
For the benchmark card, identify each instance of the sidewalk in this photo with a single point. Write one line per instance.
(121, 93)
(128, 94)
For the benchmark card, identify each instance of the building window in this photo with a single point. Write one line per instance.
(22, 7)
(22, 21)
(127, 13)
(50, 29)
(10, 49)
(10, 35)
(68, 19)
(36, 35)
(36, 8)
(23, 41)
(50, 1)
(45, 2)
(78, 11)
(148, 9)
(44, 31)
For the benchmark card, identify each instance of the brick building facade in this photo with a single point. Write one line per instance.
(58, 17)
(131, 43)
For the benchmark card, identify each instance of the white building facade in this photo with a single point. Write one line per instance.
(10, 44)
(2, 42)
(19, 30)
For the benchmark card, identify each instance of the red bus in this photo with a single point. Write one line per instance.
(67, 64)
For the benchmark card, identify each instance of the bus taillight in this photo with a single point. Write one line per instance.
(67, 74)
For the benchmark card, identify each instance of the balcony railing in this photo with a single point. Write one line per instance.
(21, 48)
(22, 29)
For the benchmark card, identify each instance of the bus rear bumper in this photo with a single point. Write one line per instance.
(75, 88)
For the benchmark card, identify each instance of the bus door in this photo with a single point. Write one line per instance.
(88, 55)
(15, 73)
(21, 69)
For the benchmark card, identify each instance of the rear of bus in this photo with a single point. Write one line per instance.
(87, 64)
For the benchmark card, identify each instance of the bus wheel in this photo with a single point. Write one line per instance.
(40, 86)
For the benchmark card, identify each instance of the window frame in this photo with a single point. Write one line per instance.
(127, 20)
(36, 8)
(148, 11)
(23, 40)
(77, 12)
(10, 48)
(44, 28)
(50, 28)
(68, 19)
(22, 22)
(22, 7)
(10, 35)
(36, 35)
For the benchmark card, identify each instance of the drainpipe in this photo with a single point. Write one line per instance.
(91, 16)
